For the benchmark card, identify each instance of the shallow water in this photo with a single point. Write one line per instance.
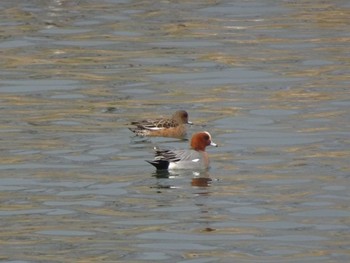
(269, 80)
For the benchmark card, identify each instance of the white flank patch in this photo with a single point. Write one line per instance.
(195, 160)
(172, 166)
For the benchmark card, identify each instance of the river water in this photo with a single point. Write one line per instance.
(268, 79)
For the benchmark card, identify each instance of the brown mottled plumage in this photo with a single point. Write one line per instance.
(161, 127)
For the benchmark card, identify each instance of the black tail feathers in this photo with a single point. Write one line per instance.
(159, 164)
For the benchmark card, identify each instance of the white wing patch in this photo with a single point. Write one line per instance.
(195, 160)
(154, 128)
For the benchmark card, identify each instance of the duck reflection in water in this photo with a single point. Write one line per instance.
(199, 178)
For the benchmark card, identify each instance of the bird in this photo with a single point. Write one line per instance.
(194, 158)
(163, 127)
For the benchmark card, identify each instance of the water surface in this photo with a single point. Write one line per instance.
(269, 80)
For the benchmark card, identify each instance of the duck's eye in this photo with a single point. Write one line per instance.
(185, 115)
(206, 137)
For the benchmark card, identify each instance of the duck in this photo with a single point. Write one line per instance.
(194, 158)
(163, 127)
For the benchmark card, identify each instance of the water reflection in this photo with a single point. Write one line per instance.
(201, 181)
(167, 178)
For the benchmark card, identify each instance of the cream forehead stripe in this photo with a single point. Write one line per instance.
(208, 134)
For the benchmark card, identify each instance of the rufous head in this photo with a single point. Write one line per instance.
(201, 140)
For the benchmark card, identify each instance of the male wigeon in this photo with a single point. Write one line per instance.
(194, 158)
(161, 127)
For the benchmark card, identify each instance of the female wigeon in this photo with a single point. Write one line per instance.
(171, 127)
(194, 158)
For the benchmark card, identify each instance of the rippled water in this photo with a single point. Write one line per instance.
(268, 79)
